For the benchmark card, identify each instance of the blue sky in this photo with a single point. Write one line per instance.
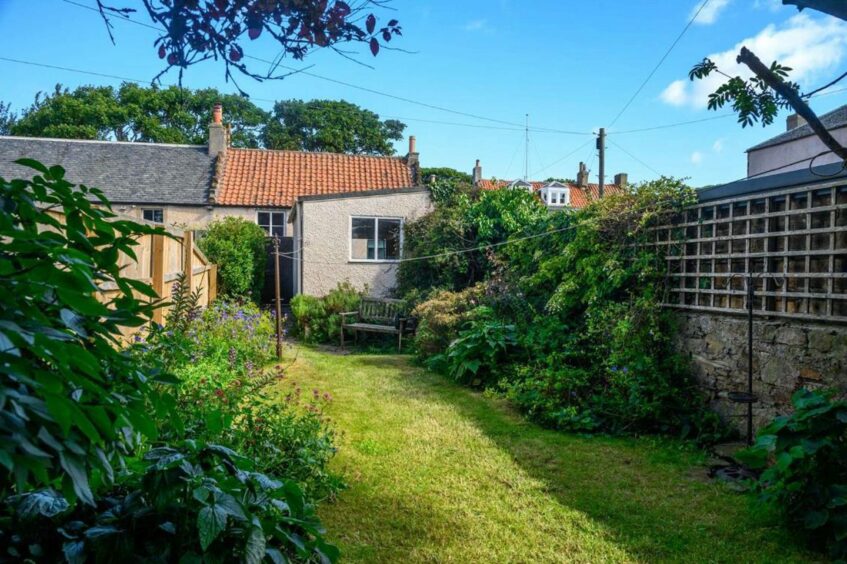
(571, 65)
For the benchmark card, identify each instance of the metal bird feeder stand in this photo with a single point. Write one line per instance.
(748, 397)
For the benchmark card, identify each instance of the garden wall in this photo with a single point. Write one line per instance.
(787, 354)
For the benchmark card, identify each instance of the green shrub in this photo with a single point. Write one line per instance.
(441, 317)
(474, 357)
(190, 503)
(237, 246)
(805, 460)
(318, 320)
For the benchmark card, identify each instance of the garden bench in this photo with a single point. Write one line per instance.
(376, 315)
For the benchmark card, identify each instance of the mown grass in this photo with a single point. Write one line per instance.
(439, 473)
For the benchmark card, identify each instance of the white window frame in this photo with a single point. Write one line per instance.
(376, 237)
(152, 209)
(271, 226)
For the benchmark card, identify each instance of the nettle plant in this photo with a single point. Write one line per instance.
(73, 403)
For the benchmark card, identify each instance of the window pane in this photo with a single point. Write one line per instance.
(278, 231)
(264, 220)
(278, 218)
(362, 238)
(157, 216)
(389, 239)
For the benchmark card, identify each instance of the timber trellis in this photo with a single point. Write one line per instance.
(793, 241)
(161, 261)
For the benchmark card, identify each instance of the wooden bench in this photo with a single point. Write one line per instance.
(376, 315)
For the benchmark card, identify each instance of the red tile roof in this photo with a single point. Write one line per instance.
(581, 196)
(257, 177)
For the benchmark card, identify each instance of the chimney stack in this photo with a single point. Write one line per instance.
(413, 160)
(582, 175)
(794, 121)
(621, 179)
(477, 173)
(218, 134)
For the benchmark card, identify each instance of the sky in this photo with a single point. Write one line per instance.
(565, 65)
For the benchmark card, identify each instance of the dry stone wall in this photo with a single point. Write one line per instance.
(787, 355)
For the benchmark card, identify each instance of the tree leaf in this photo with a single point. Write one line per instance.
(254, 550)
(211, 521)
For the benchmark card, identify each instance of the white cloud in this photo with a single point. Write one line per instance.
(717, 146)
(696, 157)
(710, 13)
(477, 25)
(810, 46)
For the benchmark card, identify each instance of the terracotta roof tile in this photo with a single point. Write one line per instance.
(256, 177)
(581, 196)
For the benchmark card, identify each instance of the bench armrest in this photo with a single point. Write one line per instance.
(348, 313)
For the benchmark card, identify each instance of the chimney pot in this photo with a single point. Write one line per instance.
(621, 179)
(412, 144)
(217, 113)
(582, 175)
(477, 173)
(218, 133)
(794, 121)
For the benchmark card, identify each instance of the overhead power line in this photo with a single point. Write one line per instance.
(659, 64)
(634, 157)
(349, 84)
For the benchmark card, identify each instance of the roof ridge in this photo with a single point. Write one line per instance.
(101, 141)
(330, 153)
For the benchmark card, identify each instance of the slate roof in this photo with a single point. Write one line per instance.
(148, 173)
(823, 173)
(832, 120)
(258, 177)
(580, 196)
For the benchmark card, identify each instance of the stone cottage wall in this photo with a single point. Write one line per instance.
(787, 355)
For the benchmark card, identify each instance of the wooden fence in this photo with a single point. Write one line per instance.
(161, 261)
(793, 241)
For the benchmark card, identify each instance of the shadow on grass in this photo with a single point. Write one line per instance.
(651, 494)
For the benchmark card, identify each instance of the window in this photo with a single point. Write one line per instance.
(272, 222)
(156, 215)
(375, 238)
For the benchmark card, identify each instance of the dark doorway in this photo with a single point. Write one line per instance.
(286, 271)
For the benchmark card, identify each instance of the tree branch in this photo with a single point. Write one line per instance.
(753, 62)
(836, 8)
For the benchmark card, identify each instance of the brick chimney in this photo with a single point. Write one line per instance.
(413, 160)
(582, 175)
(477, 173)
(621, 179)
(794, 121)
(218, 133)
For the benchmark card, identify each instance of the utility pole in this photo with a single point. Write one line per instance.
(526, 151)
(601, 146)
(277, 299)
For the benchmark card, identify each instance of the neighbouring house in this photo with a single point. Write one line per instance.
(189, 186)
(554, 193)
(798, 146)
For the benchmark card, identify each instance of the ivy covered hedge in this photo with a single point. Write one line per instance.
(559, 311)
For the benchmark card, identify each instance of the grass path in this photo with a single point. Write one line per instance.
(438, 473)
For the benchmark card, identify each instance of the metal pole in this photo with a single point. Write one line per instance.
(750, 295)
(278, 300)
(601, 146)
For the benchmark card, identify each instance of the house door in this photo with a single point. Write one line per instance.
(286, 271)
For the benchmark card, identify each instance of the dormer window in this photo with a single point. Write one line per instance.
(556, 194)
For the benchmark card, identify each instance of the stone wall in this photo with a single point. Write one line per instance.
(787, 355)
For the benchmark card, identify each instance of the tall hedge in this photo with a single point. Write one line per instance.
(237, 246)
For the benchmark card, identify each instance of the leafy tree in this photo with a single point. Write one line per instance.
(237, 246)
(759, 98)
(194, 31)
(335, 126)
(7, 119)
(445, 173)
(445, 183)
(138, 113)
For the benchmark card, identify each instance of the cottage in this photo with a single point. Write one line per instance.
(798, 147)
(351, 208)
(555, 194)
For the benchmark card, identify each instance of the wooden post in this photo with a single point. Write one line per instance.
(188, 259)
(213, 283)
(278, 300)
(157, 273)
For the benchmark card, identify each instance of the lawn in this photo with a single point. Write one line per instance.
(439, 473)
